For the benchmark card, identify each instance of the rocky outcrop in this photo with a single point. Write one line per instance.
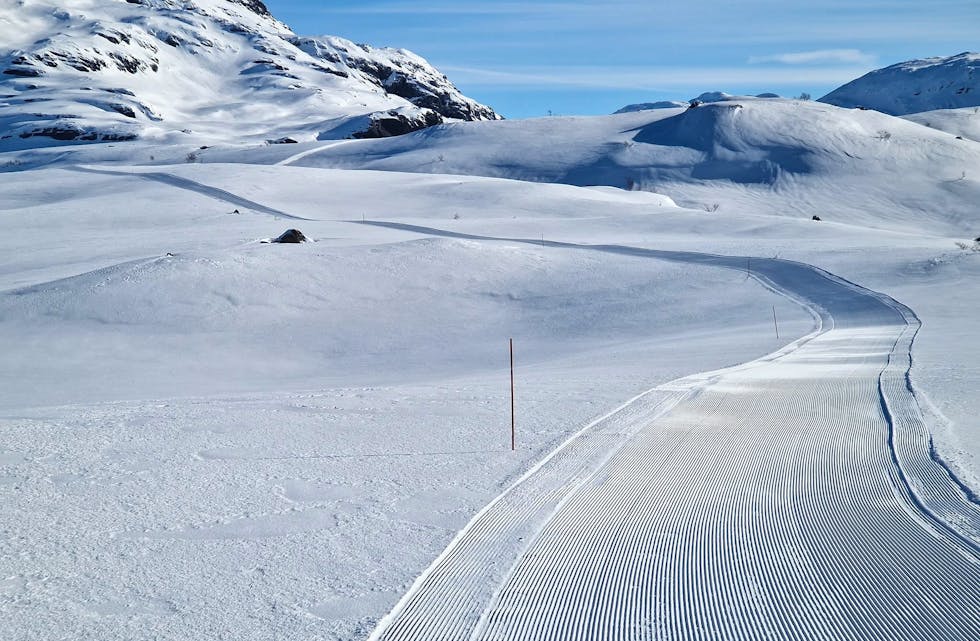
(393, 123)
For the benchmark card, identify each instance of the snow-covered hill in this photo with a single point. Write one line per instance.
(963, 122)
(220, 425)
(708, 96)
(915, 86)
(202, 71)
(647, 106)
(791, 157)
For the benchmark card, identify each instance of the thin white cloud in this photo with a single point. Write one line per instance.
(500, 8)
(818, 57)
(652, 78)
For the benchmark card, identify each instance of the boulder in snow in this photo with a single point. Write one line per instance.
(291, 236)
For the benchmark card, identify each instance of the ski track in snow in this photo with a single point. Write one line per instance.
(793, 497)
(310, 152)
(191, 185)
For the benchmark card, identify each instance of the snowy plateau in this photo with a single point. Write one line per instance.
(747, 368)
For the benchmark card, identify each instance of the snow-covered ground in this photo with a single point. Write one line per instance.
(206, 435)
(963, 122)
(247, 428)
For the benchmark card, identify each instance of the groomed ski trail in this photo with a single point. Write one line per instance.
(793, 497)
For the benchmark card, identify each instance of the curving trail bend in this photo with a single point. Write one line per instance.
(793, 497)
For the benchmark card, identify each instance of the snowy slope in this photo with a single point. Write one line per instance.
(201, 71)
(914, 86)
(785, 157)
(203, 435)
(288, 435)
(963, 122)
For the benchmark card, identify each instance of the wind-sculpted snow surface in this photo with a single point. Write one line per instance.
(793, 497)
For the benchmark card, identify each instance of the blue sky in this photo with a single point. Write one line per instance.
(527, 59)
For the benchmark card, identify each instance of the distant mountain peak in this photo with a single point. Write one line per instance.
(202, 71)
(915, 86)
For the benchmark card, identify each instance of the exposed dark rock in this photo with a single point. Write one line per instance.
(282, 141)
(111, 137)
(395, 124)
(255, 6)
(131, 64)
(334, 72)
(291, 236)
(69, 133)
(816, 218)
(115, 37)
(77, 62)
(23, 72)
(58, 133)
(123, 109)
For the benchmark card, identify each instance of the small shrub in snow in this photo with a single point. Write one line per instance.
(803, 96)
(713, 207)
(883, 135)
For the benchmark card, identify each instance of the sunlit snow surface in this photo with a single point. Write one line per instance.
(205, 436)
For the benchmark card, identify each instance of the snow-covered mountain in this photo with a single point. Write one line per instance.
(202, 71)
(915, 86)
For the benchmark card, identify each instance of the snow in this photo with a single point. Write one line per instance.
(783, 157)
(914, 86)
(963, 122)
(181, 72)
(204, 435)
(233, 436)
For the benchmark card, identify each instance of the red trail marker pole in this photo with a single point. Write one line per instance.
(513, 433)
